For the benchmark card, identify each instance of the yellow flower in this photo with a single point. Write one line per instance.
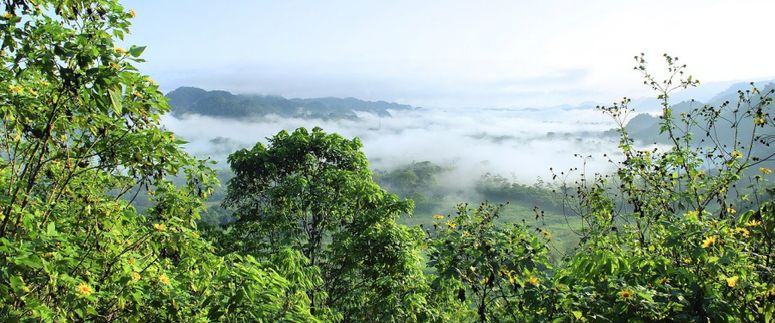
(452, 225)
(753, 223)
(135, 276)
(132, 14)
(708, 241)
(114, 66)
(625, 294)
(759, 120)
(164, 279)
(533, 281)
(33, 92)
(743, 231)
(15, 89)
(83, 289)
(546, 234)
(438, 217)
(732, 281)
(765, 170)
(138, 94)
(731, 210)
(7, 15)
(119, 50)
(159, 226)
(736, 154)
(130, 261)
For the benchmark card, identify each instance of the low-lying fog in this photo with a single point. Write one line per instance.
(519, 144)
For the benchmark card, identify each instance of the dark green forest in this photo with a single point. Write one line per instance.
(186, 100)
(104, 216)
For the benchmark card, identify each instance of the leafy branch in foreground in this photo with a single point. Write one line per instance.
(80, 137)
(682, 231)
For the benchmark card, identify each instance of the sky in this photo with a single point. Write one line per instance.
(449, 53)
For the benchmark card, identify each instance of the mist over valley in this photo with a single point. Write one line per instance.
(514, 143)
(438, 157)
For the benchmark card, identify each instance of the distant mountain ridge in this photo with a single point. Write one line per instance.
(645, 127)
(192, 100)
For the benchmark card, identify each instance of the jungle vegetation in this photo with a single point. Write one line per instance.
(683, 232)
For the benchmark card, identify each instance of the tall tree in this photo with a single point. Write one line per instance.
(314, 192)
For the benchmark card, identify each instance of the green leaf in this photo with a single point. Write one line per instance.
(31, 261)
(51, 229)
(136, 51)
(17, 283)
(115, 100)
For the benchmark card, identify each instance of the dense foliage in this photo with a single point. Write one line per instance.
(681, 232)
(80, 131)
(494, 272)
(417, 181)
(313, 192)
(499, 189)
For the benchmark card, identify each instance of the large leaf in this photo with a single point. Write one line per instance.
(115, 100)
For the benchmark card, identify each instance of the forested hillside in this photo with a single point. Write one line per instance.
(191, 100)
(680, 232)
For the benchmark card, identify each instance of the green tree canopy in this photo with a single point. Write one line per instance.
(313, 192)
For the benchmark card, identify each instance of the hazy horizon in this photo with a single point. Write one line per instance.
(448, 53)
(461, 60)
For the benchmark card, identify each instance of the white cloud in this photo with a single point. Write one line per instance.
(512, 143)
